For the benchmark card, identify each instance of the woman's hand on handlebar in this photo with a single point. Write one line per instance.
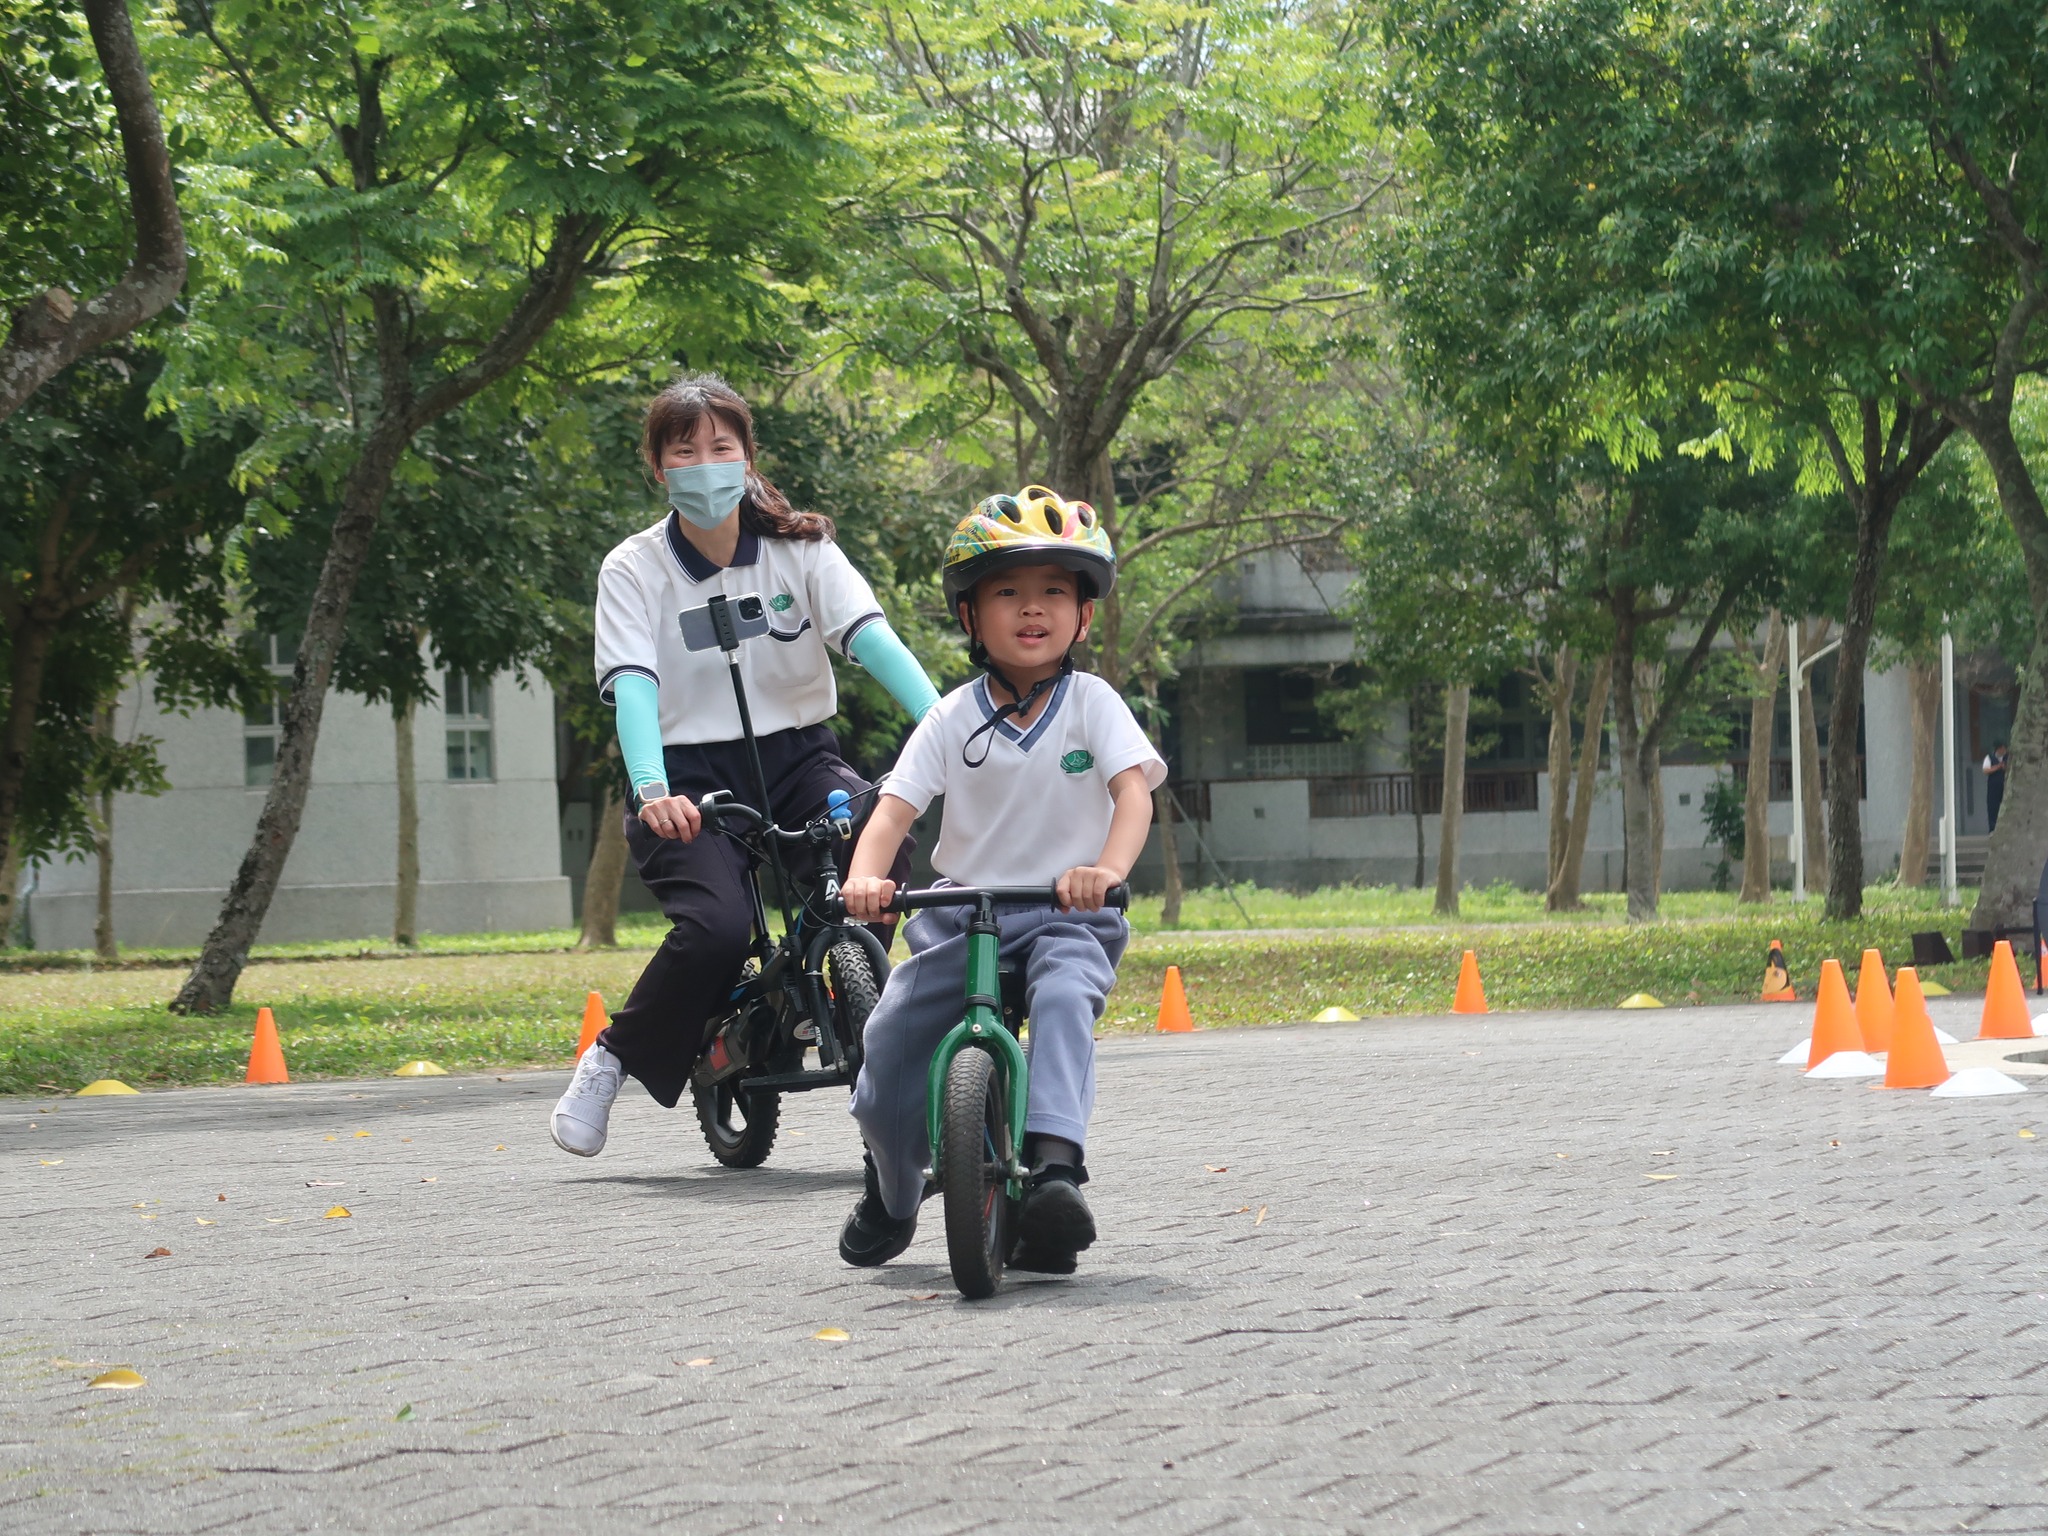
(672, 816)
(867, 897)
(1086, 887)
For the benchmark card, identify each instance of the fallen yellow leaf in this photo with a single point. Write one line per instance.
(1660, 1175)
(499, 1147)
(435, 1179)
(2026, 1135)
(1260, 1217)
(360, 1135)
(1565, 1155)
(832, 1335)
(120, 1379)
(701, 1360)
(51, 1162)
(334, 1212)
(202, 1221)
(149, 1216)
(330, 1138)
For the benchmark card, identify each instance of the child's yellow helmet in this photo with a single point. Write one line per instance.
(1033, 527)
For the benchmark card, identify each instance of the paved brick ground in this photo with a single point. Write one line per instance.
(1437, 1289)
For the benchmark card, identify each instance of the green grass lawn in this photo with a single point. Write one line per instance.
(477, 1002)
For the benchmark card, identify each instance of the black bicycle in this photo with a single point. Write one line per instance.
(810, 989)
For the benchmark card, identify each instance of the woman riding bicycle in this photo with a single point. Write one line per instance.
(728, 531)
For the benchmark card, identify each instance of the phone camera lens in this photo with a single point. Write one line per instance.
(750, 607)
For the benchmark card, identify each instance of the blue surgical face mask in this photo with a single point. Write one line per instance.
(705, 494)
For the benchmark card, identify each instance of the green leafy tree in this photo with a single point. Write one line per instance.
(425, 193)
(88, 205)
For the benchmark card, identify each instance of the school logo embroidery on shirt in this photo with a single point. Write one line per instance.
(1080, 760)
(782, 602)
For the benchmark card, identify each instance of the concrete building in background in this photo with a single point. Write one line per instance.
(490, 853)
(1277, 797)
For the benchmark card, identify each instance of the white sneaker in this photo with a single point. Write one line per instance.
(583, 1114)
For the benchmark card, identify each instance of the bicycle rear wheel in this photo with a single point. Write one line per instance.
(739, 1127)
(973, 1125)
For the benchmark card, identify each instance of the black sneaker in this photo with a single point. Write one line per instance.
(1055, 1224)
(871, 1235)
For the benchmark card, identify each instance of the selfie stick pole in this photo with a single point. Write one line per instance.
(729, 642)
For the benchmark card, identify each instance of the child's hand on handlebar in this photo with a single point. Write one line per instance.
(866, 895)
(1086, 886)
(672, 816)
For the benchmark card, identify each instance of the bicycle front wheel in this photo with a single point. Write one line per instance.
(973, 1125)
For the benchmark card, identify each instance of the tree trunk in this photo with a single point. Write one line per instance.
(405, 917)
(1415, 789)
(1638, 818)
(607, 872)
(1845, 718)
(1814, 830)
(1649, 684)
(1563, 895)
(1564, 678)
(53, 331)
(404, 414)
(1457, 704)
(2012, 866)
(25, 668)
(1923, 690)
(104, 944)
(1169, 859)
(1756, 800)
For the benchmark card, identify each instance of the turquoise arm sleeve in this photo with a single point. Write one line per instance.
(877, 648)
(639, 706)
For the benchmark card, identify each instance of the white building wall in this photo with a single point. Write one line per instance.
(490, 852)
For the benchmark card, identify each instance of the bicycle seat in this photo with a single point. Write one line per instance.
(1010, 982)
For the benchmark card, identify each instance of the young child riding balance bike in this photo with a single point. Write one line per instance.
(1047, 778)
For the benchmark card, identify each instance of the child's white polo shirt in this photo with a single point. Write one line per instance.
(814, 598)
(1040, 804)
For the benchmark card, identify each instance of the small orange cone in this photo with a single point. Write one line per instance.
(2005, 999)
(266, 1055)
(1777, 986)
(594, 1021)
(1174, 1018)
(1915, 1059)
(1471, 996)
(1834, 1021)
(1874, 1004)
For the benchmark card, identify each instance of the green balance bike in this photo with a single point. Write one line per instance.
(979, 1086)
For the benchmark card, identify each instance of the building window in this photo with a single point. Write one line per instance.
(469, 726)
(275, 654)
(1280, 707)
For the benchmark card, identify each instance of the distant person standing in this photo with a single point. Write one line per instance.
(1994, 781)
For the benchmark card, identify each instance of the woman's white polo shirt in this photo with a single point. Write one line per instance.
(813, 597)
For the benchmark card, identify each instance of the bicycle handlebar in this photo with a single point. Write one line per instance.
(1119, 896)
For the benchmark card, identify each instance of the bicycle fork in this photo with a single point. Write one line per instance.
(982, 1029)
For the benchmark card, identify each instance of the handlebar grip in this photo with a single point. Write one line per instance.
(1118, 897)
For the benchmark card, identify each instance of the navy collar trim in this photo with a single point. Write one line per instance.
(1024, 741)
(698, 568)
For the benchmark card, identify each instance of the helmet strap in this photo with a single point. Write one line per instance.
(1019, 704)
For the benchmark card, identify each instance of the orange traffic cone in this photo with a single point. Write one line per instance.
(2005, 999)
(1834, 1021)
(266, 1055)
(1777, 987)
(594, 1021)
(1174, 1018)
(1874, 1004)
(1471, 996)
(1915, 1059)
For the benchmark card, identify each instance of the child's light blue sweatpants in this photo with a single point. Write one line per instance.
(1069, 963)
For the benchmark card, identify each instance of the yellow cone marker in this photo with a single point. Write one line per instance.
(1640, 1000)
(1335, 1014)
(106, 1085)
(832, 1335)
(1933, 989)
(420, 1069)
(121, 1379)
(336, 1212)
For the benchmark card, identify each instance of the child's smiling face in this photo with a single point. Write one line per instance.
(1028, 617)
